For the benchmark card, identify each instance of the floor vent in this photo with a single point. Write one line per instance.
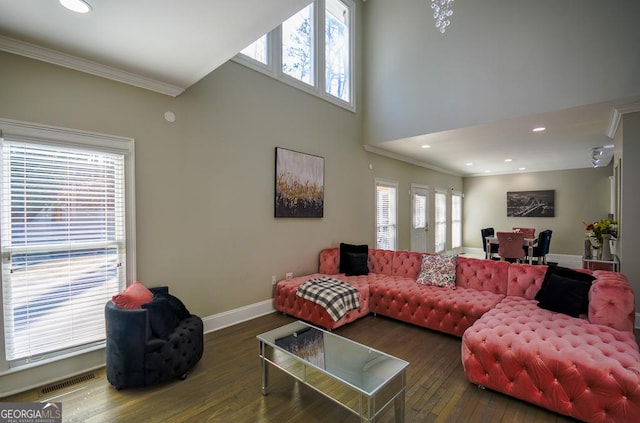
(68, 382)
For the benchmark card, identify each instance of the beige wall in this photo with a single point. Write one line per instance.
(580, 195)
(630, 202)
(204, 184)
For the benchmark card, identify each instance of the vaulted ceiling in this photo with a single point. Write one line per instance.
(164, 45)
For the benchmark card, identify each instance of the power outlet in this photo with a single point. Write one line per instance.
(289, 275)
(273, 280)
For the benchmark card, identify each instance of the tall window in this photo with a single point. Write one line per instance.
(441, 221)
(64, 237)
(312, 50)
(456, 220)
(386, 215)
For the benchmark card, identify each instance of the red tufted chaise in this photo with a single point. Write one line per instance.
(588, 368)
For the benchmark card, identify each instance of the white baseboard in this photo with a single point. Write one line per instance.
(472, 251)
(566, 260)
(238, 315)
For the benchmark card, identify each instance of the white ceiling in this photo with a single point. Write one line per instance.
(565, 144)
(168, 45)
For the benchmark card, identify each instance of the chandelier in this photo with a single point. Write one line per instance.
(601, 156)
(441, 12)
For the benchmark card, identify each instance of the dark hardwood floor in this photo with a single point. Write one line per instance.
(225, 385)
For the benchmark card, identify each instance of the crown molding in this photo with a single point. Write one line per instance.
(55, 57)
(380, 152)
(616, 116)
(629, 108)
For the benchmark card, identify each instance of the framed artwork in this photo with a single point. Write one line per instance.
(299, 190)
(531, 203)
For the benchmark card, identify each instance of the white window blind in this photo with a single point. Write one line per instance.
(386, 216)
(63, 244)
(456, 220)
(441, 221)
(419, 211)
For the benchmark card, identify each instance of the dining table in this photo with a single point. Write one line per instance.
(527, 242)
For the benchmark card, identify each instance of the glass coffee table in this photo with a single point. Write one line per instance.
(363, 380)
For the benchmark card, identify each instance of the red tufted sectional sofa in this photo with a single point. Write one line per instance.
(587, 368)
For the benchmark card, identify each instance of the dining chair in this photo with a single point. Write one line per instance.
(485, 233)
(542, 249)
(528, 232)
(510, 245)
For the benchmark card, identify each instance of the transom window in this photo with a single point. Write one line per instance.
(298, 47)
(312, 50)
(337, 50)
(258, 50)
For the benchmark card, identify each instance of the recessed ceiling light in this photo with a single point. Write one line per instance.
(425, 146)
(487, 171)
(508, 160)
(522, 168)
(78, 6)
(469, 164)
(539, 129)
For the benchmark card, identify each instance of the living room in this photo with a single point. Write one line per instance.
(204, 183)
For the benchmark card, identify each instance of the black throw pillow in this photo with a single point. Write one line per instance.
(564, 272)
(162, 317)
(349, 248)
(565, 295)
(178, 306)
(357, 264)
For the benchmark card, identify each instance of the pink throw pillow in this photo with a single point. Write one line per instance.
(133, 297)
(438, 270)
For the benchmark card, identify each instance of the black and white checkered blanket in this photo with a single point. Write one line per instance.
(335, 296)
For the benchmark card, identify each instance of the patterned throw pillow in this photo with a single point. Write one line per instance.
(438, 270)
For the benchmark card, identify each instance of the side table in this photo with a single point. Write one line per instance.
(594, 264)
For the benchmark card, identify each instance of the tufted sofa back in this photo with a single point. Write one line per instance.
(407, 264)
(525, 280)
(329, 261)
(499, 277)
(483, 275)
(381, 261)
(385, 262)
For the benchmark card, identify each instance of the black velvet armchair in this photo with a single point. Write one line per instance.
(158, 342)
